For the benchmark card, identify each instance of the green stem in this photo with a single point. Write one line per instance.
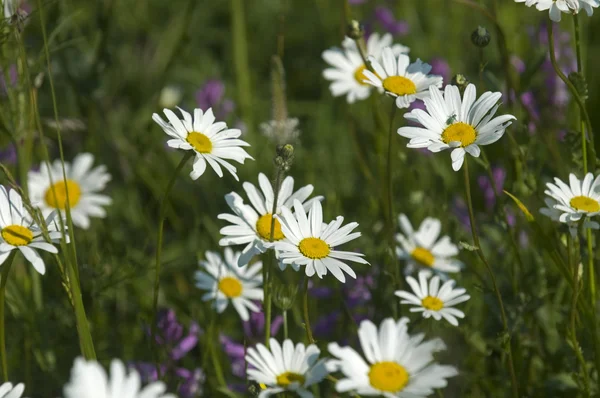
(285, 325)
(240, 55)
(395, 270)
(267, 271)
(575, 95)
(5, 271)
(159, 241)
(309, 334)
(511, 366)
(214, 353)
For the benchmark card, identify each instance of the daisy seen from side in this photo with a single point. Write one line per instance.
(579, 199)
(425, 248)
(285, 367)
(432, 300)
(48, 190)
(461, 124)
(395, 363)
(346, 71)
(212, 142)
(312, 244)
(227, 282)
(251, 224)
(90, 380)
(18, 231)
(401, 79)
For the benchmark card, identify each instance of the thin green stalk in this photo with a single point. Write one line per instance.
(309, 334)
(240, 55)
(214, 354)
(574, 93)
(285, 325)
(5, 271)
(159, 241)
(395, 270)
(269, 265)
(511, 366)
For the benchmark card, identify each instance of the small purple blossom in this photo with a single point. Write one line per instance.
(439, 66)
(499, 175)
(8, 155)
(170, 333)
(388, 22)
(212, 95)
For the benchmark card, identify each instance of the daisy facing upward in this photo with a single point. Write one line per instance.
(48, 190)
(454, 123)
(251, 225)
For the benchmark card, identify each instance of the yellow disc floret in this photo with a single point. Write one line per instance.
(287, 378)
(263, 228)
(432, 303)
(314, 248)
(423, 256)
(388, 377)
(231, 287)
(200, 142)
(17, 235)
(399, 85)
(459, 132)
(56, 195)
(585, 203)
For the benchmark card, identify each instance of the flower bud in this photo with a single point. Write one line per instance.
(480, 37)
(284, 296)
(461, 81)
(355, 30)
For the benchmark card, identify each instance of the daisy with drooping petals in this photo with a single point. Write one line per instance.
(89, 380)
(397, 364)
(401, 79)
(83, 185)
(7, 390)
(226, 281)
(433, 300)
(311, 243)
(422, 248)
(454, 123)
(576, 200)
(252, 224)
(347, 67)
(212, 142)
(285, 367)
(18, 231)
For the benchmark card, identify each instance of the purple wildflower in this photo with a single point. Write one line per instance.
(388, 22)
(212, 95)
(8, 155)
(439, 66)
(171, 334)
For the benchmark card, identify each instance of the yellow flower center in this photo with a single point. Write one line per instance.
(399, 85)
(263, 228)
(314, 248)
(584, 203)
(199, 142)
(359, 75)
(432, 303)
(388, 377)
(423, 256)
(56, 195)
(461, 132)
(17, 235)
(287, 378)
(231, 287)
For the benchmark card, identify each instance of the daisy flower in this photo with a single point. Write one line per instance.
(557, 7)
(397, 364)
(422, 248)
(251, 225)
(285, 367)
(347, 67)
(226, 281)
(89, 380)
(18, 231)
(574, 201)
(401, 79)
(7, 390)
(551, 212)
(83, 183)
(311, 243)
(454, 123)
(434, 301)
(212, 142)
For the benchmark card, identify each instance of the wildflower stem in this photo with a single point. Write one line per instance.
(214, 336)
(269, 263)
(511, 366)
(159, 241)
(309, 334)
(5, 271)
(395, 271)
(285, 325)
(574, 93)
